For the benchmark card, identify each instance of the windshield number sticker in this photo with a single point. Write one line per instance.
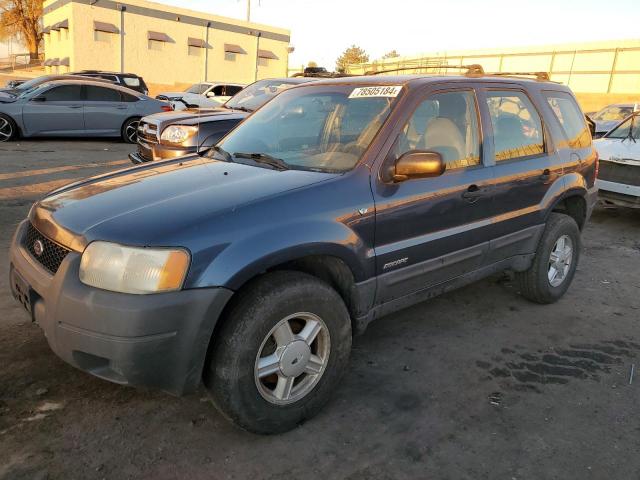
(382, 91)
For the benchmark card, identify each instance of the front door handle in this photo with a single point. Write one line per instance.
(473, 193)
(75, 106)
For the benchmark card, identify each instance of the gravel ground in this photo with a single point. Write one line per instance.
(475, 384)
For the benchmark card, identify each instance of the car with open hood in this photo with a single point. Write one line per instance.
(611, 115)
(205, 94)
(251, 266)
(177, 133)
(619, 174)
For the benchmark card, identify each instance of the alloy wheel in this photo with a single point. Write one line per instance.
(292, 358)
(6, 130)
(560, 260)
(131, 131)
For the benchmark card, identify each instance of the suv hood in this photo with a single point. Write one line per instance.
(193, 116)
(155, 204)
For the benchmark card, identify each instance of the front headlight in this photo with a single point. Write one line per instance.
(178, 134)
(133, 270)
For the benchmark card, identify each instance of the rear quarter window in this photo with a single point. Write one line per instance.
(571, 119)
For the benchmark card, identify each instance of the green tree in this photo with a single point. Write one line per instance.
(22, 19)
(351, 56)
(391, 54)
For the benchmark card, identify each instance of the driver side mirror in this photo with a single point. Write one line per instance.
(418, 164)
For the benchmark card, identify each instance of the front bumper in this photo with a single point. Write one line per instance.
(619, 194)
(157, 340)
(149, 151)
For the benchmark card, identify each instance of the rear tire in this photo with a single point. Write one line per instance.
(130, 130)
(8, 128)
(555, 261)
(262, 374)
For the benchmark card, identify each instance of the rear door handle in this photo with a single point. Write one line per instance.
(473, 193)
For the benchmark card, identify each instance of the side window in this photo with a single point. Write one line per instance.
(571, 118)
(131, 81)
(517, 129)
(128, 98)
(446, 123)
(218, 90)
(232, 89)
(63, 93)
(98, 94)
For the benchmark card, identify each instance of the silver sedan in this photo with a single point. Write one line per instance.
(75, 108)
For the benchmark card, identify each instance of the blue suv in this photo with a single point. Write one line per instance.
(252, 265)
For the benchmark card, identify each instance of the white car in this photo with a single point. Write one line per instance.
(619, 174)
(205, 94)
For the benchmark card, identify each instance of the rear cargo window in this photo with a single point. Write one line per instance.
(571, 118)
(517, 128)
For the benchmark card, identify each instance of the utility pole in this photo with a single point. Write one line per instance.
(248, 10)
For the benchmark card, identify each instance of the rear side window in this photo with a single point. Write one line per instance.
(126, 97)
(131, 81)
(571, 118)
(99, 94)
(63, 93)
(517, 128)
(232, 89)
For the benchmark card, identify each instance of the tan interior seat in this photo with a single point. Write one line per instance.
(444, 137)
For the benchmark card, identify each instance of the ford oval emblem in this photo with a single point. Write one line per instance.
(38, 247)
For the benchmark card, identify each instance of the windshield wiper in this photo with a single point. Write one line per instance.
(277, 163)
(226, 156)
(242, 109)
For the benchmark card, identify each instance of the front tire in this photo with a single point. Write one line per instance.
(130, 130)
(8, 128)
(280, 352)
(555, 261)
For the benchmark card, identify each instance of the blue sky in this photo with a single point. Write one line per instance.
(322, 29)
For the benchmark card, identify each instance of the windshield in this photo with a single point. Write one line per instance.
(33, 88)
(627, 129)
(613, 113)
(198, 88)
(325, 128)
(257, 94)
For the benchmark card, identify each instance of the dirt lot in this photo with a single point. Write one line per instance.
(477, 384)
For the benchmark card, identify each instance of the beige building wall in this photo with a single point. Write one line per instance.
(171, 61)
(610, 67)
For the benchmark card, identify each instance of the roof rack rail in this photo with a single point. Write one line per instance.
(472, 70)
(540, 76)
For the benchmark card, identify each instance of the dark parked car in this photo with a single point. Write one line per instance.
(338, 202)
(12, 92)
(75, 108)
(128, 80)
(172, 134)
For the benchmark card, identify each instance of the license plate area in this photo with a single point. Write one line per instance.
(21, 290)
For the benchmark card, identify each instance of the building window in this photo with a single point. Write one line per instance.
(100, 36)
(230, 56)
(263, 62)
(195, 51)
(156, 45)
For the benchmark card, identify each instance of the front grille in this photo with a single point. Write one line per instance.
(619, 173)
(148, 132)
(52, 254)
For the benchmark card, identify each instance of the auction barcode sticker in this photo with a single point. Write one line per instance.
(380, 91)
